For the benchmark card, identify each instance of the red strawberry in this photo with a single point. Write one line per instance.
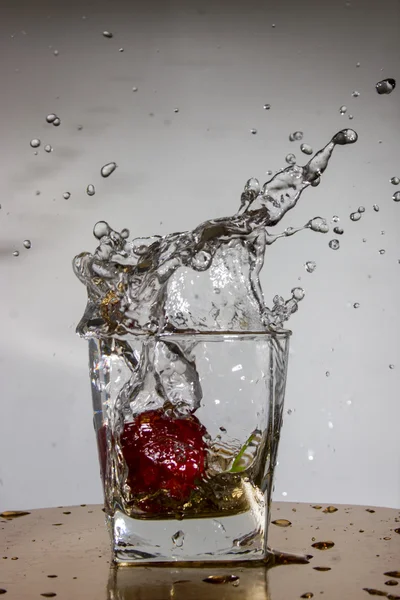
(166, 458)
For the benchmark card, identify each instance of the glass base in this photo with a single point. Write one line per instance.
(219, 539)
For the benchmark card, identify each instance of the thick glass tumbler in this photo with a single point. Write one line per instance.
(188, 427)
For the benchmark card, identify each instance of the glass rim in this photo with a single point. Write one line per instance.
(207, 334)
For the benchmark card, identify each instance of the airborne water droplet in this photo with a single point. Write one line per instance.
(90, 190)
(396, 197)
(395, 180)
(101, 229)
(267, 106)
(57, 122)
(66, 195)
(356, 305)
(121, 50)
(338, 230)
(355, 216)
(253, 131)
(176, 110)
(358, 64)
(386, 86)
(298, 293)
(125, 233)
(15, 253)
(351, 117)
(296, 136)
(282, 523)
(107, 169)
(48, 148)
(135, 89)
(391, 367)
(343, 110)
(310, 266)
(56, 53)
(290, 159)
(178, 538)
(361, 209)
(382, 251)
(355, 94)
(306, 148)
(107, 34)
(35, 143)
(334, 244)
(27, 244)
(323, 545)
(51, 118)
(376, 208)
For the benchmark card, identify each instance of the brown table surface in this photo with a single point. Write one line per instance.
(64, 553)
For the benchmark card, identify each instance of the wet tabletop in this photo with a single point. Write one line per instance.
(64, 553)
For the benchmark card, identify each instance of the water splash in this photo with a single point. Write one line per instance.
(144, 285)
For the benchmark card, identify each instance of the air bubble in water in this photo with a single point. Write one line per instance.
(35, 143)
(107, 169)
(15, 253)
(51, 118)
(90, 190)
(107, 34)
(396, 197)
(57, 122)
(356, 305)
(310, 266)
(382, 251)
(290, 159)
(355, 216)
(355, 94)
(267, 106)
(338, 230)
(178, 538)
(334, 244)
(66, 195)
(376, 208)
(27, 244)
(48, 148)
(395, 180)
(296, 136)
(253, 131)
(386, 86)
(306, 148)
(343, 110)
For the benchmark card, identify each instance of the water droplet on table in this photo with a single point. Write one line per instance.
(219, 579)
(51, 118)
(306, 148)
(35, 143)
(282, 523)
(290, 159)
(90, 190)
(66, 195)
(396, 196)
(322, 568)
(393, 574)
(178, 538)
(323, 545)
(343, 110)
(27, 244)
(48, 148)
(108, 34)
(334, 244)
(307, 595)
(373, 592)
(386, 86)
(391, 582)
(107, 169)
(330, 509)
(310, 266)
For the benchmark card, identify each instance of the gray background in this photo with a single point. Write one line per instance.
(219, 63)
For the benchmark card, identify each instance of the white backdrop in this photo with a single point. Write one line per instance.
(219, 63)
